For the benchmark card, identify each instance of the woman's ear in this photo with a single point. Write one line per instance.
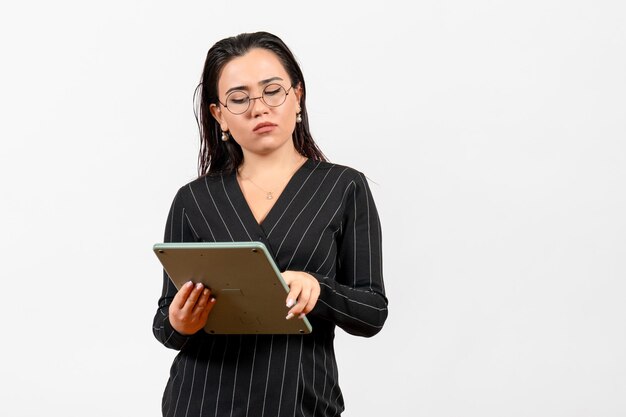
(298, 92)
(216, 112)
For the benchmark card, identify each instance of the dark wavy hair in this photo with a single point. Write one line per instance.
(215, 155)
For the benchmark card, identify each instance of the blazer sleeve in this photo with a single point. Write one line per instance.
(355, 300)
(177, 229)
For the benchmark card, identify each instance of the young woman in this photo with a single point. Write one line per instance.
(263, 178)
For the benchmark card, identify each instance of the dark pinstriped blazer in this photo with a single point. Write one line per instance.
(325, 223)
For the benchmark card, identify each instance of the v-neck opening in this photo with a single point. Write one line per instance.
(280, 200)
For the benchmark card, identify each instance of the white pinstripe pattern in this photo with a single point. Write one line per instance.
(324, 223)
(354, 239)
(193, 380)
(267, 378)
(334, 379)
(325, 370)
(314, 373)
(331, 218)
(167, 401)
(369, 237)
(172, 218)
(330, 248)
(295, 400)
(217, 209)
(282, 382)
(300, 213)
(311, 221)
(292, 199)
(219, 383)
(350, 300)
(301, 377)
(201, 212)
(206, 374)
(352, 317)
(180, 389)
(256, 338)
(232, 403)
(380, 255)
(197, 236)
(234, 209)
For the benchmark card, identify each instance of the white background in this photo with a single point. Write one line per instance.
(493, 134)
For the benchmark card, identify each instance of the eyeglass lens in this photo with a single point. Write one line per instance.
(239, 101)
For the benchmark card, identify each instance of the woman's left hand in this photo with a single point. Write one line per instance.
(304, 291)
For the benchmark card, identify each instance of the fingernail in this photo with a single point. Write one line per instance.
(188, 284)
(290, 303)
(199, 285)
(301, 316)
(212, 300)
(289, 316)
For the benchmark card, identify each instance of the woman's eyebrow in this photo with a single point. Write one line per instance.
(262, 82)
(269, 80)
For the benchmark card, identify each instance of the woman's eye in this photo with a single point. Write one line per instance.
(272, 91)
(239, 100)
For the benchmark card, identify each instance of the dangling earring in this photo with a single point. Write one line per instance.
(298, 118)
(225, 135)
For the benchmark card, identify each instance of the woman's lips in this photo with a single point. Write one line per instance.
(264, 127)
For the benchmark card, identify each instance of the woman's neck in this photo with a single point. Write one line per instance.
(271, 165)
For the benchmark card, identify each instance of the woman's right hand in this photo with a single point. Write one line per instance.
(190, 308)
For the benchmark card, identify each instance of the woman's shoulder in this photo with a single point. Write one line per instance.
(202, 182)
(338, 171)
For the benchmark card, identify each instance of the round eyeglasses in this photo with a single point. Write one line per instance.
(238, 102)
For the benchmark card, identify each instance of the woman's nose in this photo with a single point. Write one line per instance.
(258, 106)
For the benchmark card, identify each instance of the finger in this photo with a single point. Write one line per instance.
(204, 315)
(303, 299)
(193, 297)
(202, 301)
(311, 303)
(181, 296)
(294, 292)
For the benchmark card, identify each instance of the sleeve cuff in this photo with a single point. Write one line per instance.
(174, 339)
